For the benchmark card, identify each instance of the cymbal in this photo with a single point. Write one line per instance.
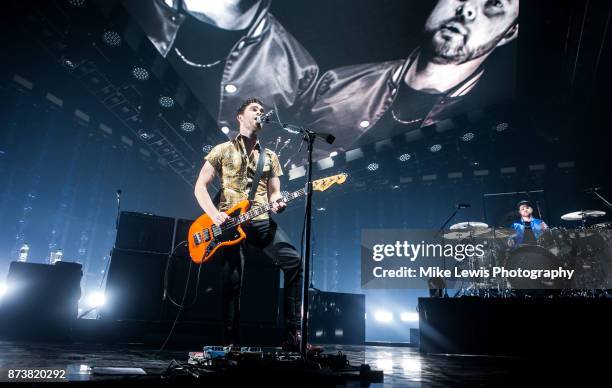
(457, 235)
(579, 215)
(496, 233)
(469, 225)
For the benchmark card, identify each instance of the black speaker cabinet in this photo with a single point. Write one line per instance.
(42, 300)
(134, 285)
(259, 295)
(260, 283)
(203, 305)
(335, 317)
(145, 232)
(182, 229)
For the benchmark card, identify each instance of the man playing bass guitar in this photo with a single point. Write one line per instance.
(235, 162)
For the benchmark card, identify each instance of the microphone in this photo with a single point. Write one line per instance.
(265, 117)
(463, 205)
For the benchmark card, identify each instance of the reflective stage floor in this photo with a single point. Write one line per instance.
(402, 366)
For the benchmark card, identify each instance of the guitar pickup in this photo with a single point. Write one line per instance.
(197, 239)
(207, 235)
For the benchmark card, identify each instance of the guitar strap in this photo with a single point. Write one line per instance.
(257, 177)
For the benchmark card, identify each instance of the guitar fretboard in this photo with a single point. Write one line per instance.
(234, 221)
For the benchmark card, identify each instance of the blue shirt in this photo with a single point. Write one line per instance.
(537, 226)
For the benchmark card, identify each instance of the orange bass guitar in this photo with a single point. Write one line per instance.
(205, 238)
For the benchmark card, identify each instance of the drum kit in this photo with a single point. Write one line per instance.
(586, 249)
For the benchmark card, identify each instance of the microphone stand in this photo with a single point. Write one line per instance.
(309, 137)
(439, 232)
(118, 208)
(110, 254)
(605, 201)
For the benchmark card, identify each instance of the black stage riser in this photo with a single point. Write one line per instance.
(514, 326)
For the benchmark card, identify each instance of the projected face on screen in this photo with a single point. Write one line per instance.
(460, 31)
(441, 76)
(226, 53)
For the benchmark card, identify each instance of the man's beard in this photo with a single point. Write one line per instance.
(454, 51)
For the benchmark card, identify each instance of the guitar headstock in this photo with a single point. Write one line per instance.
(325, 183)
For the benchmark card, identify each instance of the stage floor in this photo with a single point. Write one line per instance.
(402, 366)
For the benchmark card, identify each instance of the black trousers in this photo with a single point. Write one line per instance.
(273, 241)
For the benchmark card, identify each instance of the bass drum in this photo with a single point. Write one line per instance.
(533, 257)
(558, 241)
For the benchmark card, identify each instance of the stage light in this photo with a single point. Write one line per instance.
(325, 163)
(77, 3)
(404, 157)
(3, 289)
(69, 63)
(383, 316)
(373, 166)
(409, 317)
(395, 187)
(339, 332)
(355, 154)
(166, 102)
(333, 153)
(502, 127)
(319, 333)
(111, 38)
(435, 148)
(321, 209)
(207, 148)
(188, 126)
(468, 136)
(97, 299)
(225, 130)
(140, 73)
(145, 135)
(364, 124)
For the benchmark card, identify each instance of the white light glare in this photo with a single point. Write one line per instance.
(96, 299)
(409, 317)
(383, 316)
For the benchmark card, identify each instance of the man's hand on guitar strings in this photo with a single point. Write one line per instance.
(219, 218)
(278, 206)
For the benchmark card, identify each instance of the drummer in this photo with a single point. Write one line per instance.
(529, 229)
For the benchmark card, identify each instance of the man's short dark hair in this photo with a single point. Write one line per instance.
(248, 102)
(524, 202)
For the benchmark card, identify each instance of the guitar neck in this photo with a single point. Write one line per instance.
(254, 212)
